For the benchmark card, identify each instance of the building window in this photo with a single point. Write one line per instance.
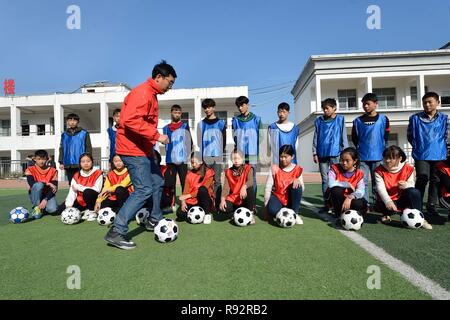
(25, 128)
(386, 97)
(185, 117)
(5, 128)
(40, 129)
(445, 99)
(413, 91)
(221, 115)
(347, 99)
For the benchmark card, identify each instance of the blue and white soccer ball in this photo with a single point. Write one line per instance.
(166, 231)
(19, 215)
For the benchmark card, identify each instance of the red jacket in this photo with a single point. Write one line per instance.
(138, 128)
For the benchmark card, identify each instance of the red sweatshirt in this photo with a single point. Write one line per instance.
(137, 132)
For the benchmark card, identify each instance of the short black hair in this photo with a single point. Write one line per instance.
(431, 95)
(353, 154)
(329, 102)
(41, 154)
(164, 69)
(175, 107)
(116, 111)
(284, 106)
(288, 149)
(73, 116)
(241, 100)
(208, 103)
(86, 154)
(369, 97)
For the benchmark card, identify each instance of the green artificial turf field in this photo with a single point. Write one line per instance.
(216, 261)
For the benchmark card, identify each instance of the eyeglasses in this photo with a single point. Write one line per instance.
(171, 82)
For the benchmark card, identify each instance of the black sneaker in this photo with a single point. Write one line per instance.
(118, 240)
(150, 225)
(431, 210)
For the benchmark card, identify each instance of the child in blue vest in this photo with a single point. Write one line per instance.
(246, 130)
(74, 142)
(427, 134)
(112, 134)
(370, 134)
(212, 140)
(330, 138)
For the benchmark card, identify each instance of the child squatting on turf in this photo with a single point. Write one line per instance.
(443, 172)
(117, 187)
(284, 186)
(346, 184)
(395, 180)
(198, 189)
(238, 186)
(43, 182)
(85, 187)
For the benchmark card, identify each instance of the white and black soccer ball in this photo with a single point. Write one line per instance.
(412, 218)
(352, 220)
(141, 216)
(196, 215)
(19, 215)
(242, 217)
(166, 231)
(106, 216)
(70, 216)
(286, 218)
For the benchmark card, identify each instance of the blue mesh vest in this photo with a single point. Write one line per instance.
(279, 138)
(246, 135)
(329, 135)
(428, 138)
(112, 143)
(73, 147)
(371, 142)
(212, 140)
(178, 150)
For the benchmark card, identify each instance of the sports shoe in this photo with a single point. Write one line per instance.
(426, 225)
(324, 210)
(207, 219)
(150, 225)
(85, 214)
(91, 215)
(298, 220)
(36, 213)
(431, 210)
(118, 240)
(386, 219)
(168, 210)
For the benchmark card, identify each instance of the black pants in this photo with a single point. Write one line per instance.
(336, 195)
(70, 173)
(170, 177)
(203, 200)
(89, 196)
(410, 198)
(426, 172)
(248, 202)
(121, 194)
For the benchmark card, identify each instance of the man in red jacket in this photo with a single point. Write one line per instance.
(136, 136)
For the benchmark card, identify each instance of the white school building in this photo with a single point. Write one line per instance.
(399, 79)
(29, 123)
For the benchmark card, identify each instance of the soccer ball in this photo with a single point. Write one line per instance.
(106, 216)
(286, 217)
(242, 217)
(141, 216)
(166, 231)
(18, 215)
(352, 220)
(196, 215)
(412, 218)
(70, 216)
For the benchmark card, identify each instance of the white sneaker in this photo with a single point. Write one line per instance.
(426, 225)
(85, 214)
(92, 216)
(207, 219)
(298, 220)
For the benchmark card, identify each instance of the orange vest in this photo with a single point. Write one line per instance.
(114, 179)
(357, 176)
(193, 180)
(282, 180)
(236, 184)
(391, 179)
(443, 168)
(44, 176)
(87, 182)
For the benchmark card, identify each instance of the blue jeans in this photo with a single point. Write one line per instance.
(324, 168)
(148, 182)
(36, 197)
(295, 197)
(368, 167)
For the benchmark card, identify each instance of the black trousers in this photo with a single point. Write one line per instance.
(203, 200)
(410, 198)
(248, 202)
(170, 177)
(337, 198)
(70, 172)
(89, 196)
(426, 173)
(121, 194)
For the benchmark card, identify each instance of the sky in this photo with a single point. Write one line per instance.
(261, 44)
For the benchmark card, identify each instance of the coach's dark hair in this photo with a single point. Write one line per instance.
(369, 97)
(86, 154)
(329, 102)
(73, 116)
(116, 111)
(241, 100)
(354, 154)
(284, 106)
(287, 149)
(431, 95)
(394, 152)
(203, 168)
(175, 107)
(208, 103)
(41, 154)
(164, 69)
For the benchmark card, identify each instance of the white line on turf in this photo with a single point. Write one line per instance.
(416, 278)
